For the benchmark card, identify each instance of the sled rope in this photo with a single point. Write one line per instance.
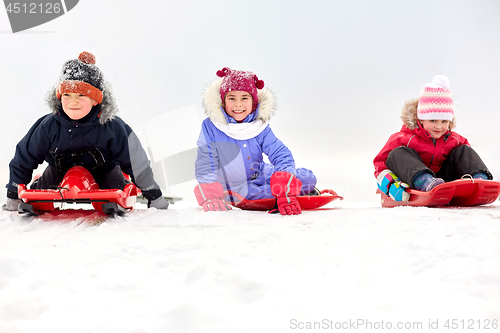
(468, 176)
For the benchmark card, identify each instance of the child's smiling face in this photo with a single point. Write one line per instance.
(437, 128)
(77, 106)
(238, 104)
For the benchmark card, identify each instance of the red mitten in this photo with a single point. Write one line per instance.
(285, 187)
(210, 196)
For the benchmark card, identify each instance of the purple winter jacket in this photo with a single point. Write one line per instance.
(231, 153)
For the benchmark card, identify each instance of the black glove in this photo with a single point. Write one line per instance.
(12, 194)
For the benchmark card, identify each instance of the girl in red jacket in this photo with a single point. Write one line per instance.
(426, 152)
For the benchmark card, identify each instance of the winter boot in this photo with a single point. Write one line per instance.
(480, 175)
(315, 191)
(426, 182)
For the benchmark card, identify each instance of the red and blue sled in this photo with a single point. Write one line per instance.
(78, 186)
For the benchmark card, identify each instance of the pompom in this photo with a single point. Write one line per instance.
(259, 84)
(441, 81)
(222, 72)
(87, 57)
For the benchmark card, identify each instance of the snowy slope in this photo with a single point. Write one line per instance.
(184, 270)
(341, 71)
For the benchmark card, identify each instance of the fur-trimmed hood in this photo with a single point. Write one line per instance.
(409, 115)
(109, 108)
(213, 103)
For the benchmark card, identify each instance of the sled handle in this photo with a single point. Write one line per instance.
(131, 190)
(332, 192)
(20, 190)
(468, 176)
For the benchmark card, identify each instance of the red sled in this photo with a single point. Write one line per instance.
(307, 202)
(78, 186)
(462, 192)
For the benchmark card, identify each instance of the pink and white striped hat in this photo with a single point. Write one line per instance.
(435, 100)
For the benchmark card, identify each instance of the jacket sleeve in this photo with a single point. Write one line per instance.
(133, 159)
(30, 153)
(207, 160)
(279, 155)
(394, 141)
(461, 140)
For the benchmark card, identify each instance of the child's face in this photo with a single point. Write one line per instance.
(77, 106)
(238, 104)
(437, 128)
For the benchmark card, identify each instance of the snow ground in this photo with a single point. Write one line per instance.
(184, 270)
(341, 72)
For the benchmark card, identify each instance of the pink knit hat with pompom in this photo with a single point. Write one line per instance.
(234, 80)
(435, 102)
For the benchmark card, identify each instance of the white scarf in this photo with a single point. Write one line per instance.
(242, 131)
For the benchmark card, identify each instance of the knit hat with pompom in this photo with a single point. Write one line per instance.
(81, 76)
(234, 80)
(435, 102)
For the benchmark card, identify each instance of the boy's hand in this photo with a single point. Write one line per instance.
(210, 197)
(391, 185)
(11, 205)
(285, 187)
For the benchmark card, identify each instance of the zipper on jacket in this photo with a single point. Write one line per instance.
(433, 142)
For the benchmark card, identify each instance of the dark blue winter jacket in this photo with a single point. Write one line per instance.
(100, 142)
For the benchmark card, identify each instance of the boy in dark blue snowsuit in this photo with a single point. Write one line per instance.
(82, 129)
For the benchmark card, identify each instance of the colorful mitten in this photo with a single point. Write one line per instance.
(391, 185)
(285, 187)
(397, 191)
(210, 197)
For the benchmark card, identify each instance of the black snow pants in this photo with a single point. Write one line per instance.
(110, 179)
(406, 163)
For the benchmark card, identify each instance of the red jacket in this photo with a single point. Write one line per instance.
(433, 152)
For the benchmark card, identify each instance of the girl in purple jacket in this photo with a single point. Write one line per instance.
(232, 141)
